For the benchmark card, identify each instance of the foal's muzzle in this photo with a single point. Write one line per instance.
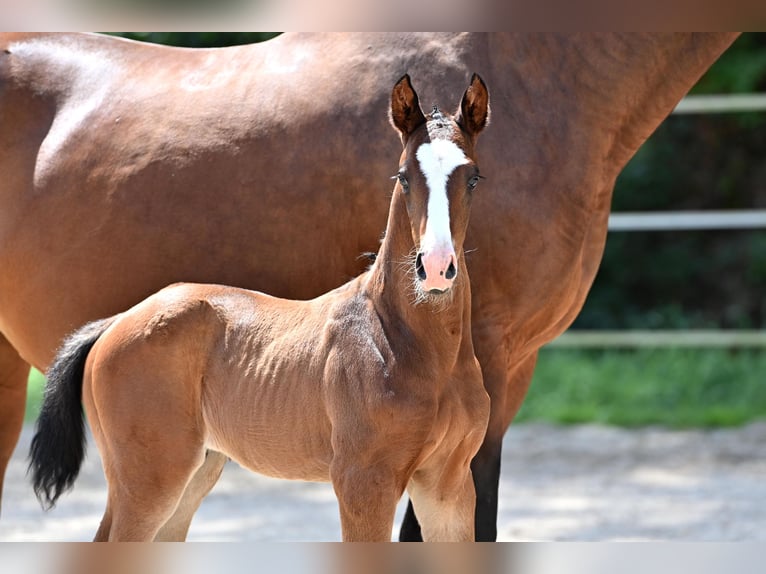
(436, 270)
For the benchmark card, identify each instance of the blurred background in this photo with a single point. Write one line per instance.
(675, 283)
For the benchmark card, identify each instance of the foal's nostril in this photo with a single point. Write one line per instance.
(451, 271)
(419, 269)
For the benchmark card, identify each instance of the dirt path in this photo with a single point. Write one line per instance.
(581, 483)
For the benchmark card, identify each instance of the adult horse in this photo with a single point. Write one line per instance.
(129, 166)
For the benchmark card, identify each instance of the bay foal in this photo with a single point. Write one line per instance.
(373, 386)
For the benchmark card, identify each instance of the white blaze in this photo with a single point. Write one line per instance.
(438, 159)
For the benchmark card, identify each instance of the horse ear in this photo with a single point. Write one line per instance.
(406, 114)
(473, 114)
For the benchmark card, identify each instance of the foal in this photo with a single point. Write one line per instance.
(373, 386)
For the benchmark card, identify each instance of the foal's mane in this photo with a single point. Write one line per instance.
(439, 125)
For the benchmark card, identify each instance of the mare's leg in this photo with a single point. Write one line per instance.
(13, 396)
(507, 387)
(486, 477)
(410, 531)
(367, 496)
(177, 527)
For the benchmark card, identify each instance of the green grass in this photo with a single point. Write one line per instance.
(671, 387)
(35, 388)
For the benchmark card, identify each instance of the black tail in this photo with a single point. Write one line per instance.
(58, 447)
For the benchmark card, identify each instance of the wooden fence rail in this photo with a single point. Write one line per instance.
(646, 339)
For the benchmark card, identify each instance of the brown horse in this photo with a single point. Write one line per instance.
(127, 167)
(374, 385)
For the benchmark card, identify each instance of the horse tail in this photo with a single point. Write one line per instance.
(58, 447)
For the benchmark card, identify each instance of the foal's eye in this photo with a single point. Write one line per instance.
(402, 181)
(473, 182)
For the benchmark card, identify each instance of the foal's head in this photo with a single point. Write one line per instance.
(437, 176)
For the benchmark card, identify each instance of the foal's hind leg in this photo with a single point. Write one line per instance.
(143, 497)
(148, 465)
(102, 534)
(177, 527)
(13, 394)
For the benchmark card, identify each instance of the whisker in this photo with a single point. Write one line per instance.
(415, 292)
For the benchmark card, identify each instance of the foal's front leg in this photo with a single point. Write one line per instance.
(367, 497)
(445, 504)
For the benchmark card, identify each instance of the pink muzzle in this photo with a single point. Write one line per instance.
(436, 269)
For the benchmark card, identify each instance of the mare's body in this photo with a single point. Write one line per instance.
(127, 167)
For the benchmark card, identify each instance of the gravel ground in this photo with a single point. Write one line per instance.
(580, 483)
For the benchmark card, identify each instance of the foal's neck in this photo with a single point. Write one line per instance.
(441, 320)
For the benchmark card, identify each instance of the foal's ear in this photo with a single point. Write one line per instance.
(473, 115)
(406, 114)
